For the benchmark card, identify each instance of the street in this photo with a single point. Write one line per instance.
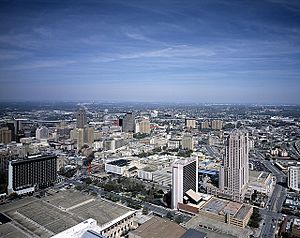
(272, 212)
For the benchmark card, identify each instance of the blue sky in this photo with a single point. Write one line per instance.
(185, 51)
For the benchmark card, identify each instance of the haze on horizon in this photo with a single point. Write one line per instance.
(189, 51)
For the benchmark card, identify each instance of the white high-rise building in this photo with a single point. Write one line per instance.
(42, 133)
(184, 178)
(234, 173)
(294, 178)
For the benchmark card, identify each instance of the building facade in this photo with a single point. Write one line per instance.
(128, 124)
(81, 118)
(144, 126)
(26, 175)
(42, 133)
(187, 142)
(184, 178)
(5, 135)
(294, 178)
(190, 123)
(234, 172)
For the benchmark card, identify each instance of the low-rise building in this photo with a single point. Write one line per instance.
(233, 213)
(158, 228)
(262, 182)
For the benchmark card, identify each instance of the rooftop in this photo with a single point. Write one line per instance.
(232, 208)
(184, 161)
(192, 233)
(33, 158)
(243, 211)
(120, 162)
(159, 228)
(58, 211)
(220, 206)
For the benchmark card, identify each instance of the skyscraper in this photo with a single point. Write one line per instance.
(19, 130)
(81, 118)
(234, 172)
(128, 122)
(184, 178)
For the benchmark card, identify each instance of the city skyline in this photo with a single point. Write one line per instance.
(151, 51)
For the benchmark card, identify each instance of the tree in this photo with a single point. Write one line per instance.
(255, 218)
(167, 198)
(178, 219)
(169, 215)
(88, 180)
(145, 210)
(254, 196)
(13, 196)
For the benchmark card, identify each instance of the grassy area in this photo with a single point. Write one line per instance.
(255, 219)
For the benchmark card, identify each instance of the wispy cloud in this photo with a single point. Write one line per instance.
(23, 40)
(12, 54)
(40, 64)
(182, 51)
(117, 42)
(44, 32)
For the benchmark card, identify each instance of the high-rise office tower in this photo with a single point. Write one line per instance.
(19, 130)
(184, 178)
(81, 118)
(234, 172)
(294, 178)
(128, 122)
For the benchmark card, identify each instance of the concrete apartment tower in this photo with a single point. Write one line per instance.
(234, 172)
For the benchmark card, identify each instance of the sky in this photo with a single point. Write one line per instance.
(202, 51)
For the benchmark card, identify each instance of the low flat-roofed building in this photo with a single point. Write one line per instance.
(234, 213)
(146, 173)
(163, 177)
(158, 228)
(192, 233)
(64, 209)
(82, 229)
(242, 216)
(261, 182)
(193, 201)
(124, 167)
